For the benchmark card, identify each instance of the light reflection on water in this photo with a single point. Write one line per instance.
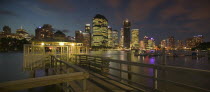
(11, 67)
(201, 80)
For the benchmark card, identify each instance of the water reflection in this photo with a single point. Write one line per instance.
(200, 80)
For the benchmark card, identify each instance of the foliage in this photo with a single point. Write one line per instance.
(12, 44)
(202, 46)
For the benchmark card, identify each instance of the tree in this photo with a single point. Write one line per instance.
(7, 30)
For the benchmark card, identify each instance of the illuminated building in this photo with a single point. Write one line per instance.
(121, 43)
(87, 35)
(44, 33)
(20, 34)
(180, 45)
(135, 39)
(149, 43)
(79, 36)
(87, 28)
(170, 43)
(142, 45)
(194, 41)
(100, 31)
(23, 34)
(110, 41)
(83, 37)
(163, 44)
(115, 38)
(59, 36)
(126, 29)
(86, 39)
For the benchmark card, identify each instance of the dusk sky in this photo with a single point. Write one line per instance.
(155, 18)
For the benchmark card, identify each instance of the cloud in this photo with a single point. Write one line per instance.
(195, 10)
(114, 3)
(5, 12)
(139, 10)
(63, 5)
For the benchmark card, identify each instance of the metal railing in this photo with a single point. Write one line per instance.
(102, 65)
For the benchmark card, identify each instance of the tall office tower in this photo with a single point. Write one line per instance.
(110, 41)
(149, 43)
(87, 36)
(79, 36)
(115, 38)
(121, 45)
(87, 28)
(44, 33)
(142, 45)
(86, 39)
(163, 44)
(180, 44)
(134, 39)
(126, 29)
(170, 43)
(100, 31)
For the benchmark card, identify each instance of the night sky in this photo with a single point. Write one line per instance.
(155, 18)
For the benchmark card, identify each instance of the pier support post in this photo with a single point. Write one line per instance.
(84, 85)
(155, 75)
(129, 67)
(209, 55)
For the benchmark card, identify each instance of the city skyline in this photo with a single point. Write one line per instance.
(184, 20)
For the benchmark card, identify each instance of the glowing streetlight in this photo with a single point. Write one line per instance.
(61, 43)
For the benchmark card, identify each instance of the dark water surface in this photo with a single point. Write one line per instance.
(11, 69)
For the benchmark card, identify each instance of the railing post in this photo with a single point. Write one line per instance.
(84, 85)
(155, 75)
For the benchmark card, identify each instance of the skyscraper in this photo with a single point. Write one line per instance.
(126, 29)
(170, 43)
(110, 41)
(100, 31)
(115, 38)
(79, 36)
(134, 39)
(87, 36)
(44, 33)
(121, 43)
(87, 28)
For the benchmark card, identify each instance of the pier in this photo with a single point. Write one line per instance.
(76, 71)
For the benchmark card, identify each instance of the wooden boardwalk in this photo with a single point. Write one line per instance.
(41, 81)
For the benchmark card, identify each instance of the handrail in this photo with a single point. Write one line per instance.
(96, 63)
(70, 65)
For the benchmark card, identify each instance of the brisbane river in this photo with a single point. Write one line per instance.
(11, 68)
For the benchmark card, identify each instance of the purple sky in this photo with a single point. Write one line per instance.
(155, 18)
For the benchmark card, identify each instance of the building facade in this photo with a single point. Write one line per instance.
(115, 38)
(110, 41)
(100, 32)
(126, 29)
(121, 42)
(44, 33)
(135, 39)
(170, 43)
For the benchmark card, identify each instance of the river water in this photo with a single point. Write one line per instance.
(11, 68)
